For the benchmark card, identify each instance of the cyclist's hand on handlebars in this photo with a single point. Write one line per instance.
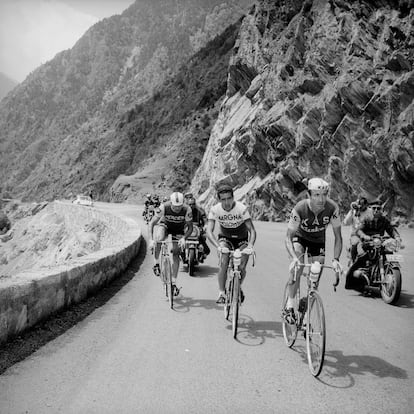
(294, 263)
(337, 267)
(248, 249)
(181, 243)
(223, 250)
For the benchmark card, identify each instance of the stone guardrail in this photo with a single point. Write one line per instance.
(31, 296)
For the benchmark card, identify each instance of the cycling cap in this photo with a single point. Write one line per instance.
(224, 188)
(317, 184)
(188, 195)
(177, 199)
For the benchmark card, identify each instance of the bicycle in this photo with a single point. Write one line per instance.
(166, 270)
(309, 315)
(233, 286)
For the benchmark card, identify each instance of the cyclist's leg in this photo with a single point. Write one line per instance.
(242, 244)
(294, 284)
(159, 235)
(175, 257)
(222, 274)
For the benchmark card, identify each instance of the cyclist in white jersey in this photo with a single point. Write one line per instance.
(236, 230)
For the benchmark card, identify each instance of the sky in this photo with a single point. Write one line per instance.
(34, 31)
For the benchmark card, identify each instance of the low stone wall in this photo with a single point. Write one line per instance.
(31, 296)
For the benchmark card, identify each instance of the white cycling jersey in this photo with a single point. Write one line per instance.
(232, 223)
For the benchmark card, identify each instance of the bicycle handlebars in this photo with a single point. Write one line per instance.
(337, 274)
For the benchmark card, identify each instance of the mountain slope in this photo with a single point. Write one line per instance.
(317, 88)
(71, 105)
(6, 85)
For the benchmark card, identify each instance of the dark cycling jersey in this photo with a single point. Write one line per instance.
(199, 215)
(174, 221)
(378, 225)
(232, 223)
(310, 226)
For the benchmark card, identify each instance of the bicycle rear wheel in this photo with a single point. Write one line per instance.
(315, 333)
(290, 331)
(235, 305)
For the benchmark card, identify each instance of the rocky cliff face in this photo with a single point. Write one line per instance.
(59, 129)
(317, 88)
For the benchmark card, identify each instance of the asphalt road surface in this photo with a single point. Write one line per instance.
(135, 355)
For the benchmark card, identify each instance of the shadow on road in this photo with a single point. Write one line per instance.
(204, 271)
(30, 341)
(184, 303)
(339, 370)
(255, 333)
(406, 300)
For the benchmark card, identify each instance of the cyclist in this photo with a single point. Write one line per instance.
(307, 231)
(236, 230)
(148, 206)
(155, 199)
(175, 218)
(359, 212)
(199, 219)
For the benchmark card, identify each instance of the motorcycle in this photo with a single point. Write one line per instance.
(378, 267)
(193, 253)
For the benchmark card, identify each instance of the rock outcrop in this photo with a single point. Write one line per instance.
(317, 88)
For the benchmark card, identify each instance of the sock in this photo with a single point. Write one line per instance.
(290, 303)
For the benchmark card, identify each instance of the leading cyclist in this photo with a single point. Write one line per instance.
(307, 232)
(236, 231)
(175, 218)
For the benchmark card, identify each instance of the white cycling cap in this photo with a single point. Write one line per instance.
(317, 184)
(177, 199)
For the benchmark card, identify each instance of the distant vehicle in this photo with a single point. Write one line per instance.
(83, 200)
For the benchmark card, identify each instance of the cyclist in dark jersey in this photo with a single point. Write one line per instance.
(307, 231)
(236, 230)
(175, 218)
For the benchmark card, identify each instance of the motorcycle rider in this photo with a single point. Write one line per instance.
(199, 219)
(377, 224)
(359, 212)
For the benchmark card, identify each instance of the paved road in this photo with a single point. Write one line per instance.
(135, 355)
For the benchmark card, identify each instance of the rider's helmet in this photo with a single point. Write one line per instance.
(223, 188)
(148, 196)
(177, 199)
(318, 184)
(376, 207)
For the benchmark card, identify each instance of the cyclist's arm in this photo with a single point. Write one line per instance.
(338, 242)
(158, 214)
(210, 232)
(349, 218)
(252, 231)
(289, 243)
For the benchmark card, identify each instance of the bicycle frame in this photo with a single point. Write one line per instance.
(233, 286)
(166, 270)
(305, 314)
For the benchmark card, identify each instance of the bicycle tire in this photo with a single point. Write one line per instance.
(235, 305)
(315, 333)
(229, 295)
(290, 332)
(168, 282)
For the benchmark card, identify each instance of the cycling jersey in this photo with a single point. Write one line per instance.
(199, 215)
(232, 223)
(174, 221)
(310, 226)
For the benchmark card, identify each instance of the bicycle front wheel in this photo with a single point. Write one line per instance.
(235, 305)
(229, 296)
(315, 333)
(290, 331)
(168, 282)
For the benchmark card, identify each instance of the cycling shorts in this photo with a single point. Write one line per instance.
(313, 249)
(232, 244)
(175, 236)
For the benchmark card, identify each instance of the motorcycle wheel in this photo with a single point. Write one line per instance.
(191, 262)
(391, 289)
